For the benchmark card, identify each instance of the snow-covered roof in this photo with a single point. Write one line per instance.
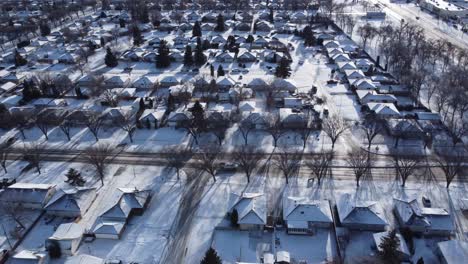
(27, 256)
(251, 208)
(26, 193)
(453, 251)
(83, 259)
(303, 209)
(384, 109)
(354, 211)
(109, 227)
(68, 231)
(125, 200)
(74, 200)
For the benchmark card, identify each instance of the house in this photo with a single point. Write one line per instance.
(360, 215)
(70, 203)
(247, 106)
(68, 236)
(385, 110)
(225, 57)
(403, 252)
(363, 84)
(255, 120)
(112, 116)
(28, 257)
(29, 195)
(452, 251)
(117, 81)
(352, 75)
(243, 26)
(263, 26)
(169, 81)
(331, 44)
(251, 209)
(283, 257)
(257, 84)
(346, 65)
(291, 118)
(366, 96)
(145, 82)
(340, 57)
(207, 27)
(225, 83)
(246, 56)
(334, 51)
(125, 203)
(178, 119)
(84, 259)
(154, 42)
(363, 64)
(404, 128)
(7, 87)
(303, 216)
(151, 117)
(422, 220)
(293, 102)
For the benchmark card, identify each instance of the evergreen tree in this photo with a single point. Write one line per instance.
(44, 28)
(199, 57)
(219, 23)
(234, 218)
(170, 102)
(196, 31)
(188, 57)
(122, 23)
(54, 249)
(110, 60)
(137, 37)
(388, 248)
(283, 70)
(420, 261)
(142, 104)
(19, 60)
(309, 38)
(249, 39)
(163, 60)
(198, 114)
(220, 70)
(211, 257)
(211, 70)
(271, 16)
(103, 42)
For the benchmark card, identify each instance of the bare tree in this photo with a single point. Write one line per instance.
(288, 162)
(44, 122)
(128, 124)
(33, 153)
(98, 156)
(22, 121)
(275, 128)
(176, 157)
(13, 210)
(371, 129)
(305, 130)
(319, 164)
(96, 85)
(405, 164)
(66, 126)
(245, 127)
(451, 163)
(359, 161)
(334, 126)
(207, 159)
(248, 157)
(4, 151)
(94, 123)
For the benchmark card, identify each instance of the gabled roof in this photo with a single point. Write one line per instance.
(125, 201)
(109, 227)
(251, 208)
(383, 108)
(353, 211)
(75, 200)
(303, 209)
(68, 231)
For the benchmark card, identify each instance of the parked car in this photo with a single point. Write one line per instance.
(229, 166)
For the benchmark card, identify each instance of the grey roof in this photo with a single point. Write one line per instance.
(251, 208)
(303, 209)
(26, 193)
(125, 201)
(74, 201)
(109, 227)
(453, 251)
(354, 211)
(68, 231)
